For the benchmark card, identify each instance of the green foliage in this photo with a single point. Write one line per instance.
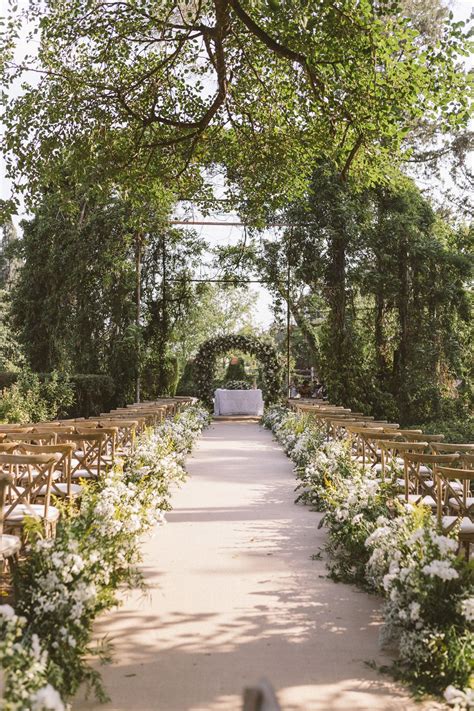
(454, 430)
(350, 84)
(11, 354)
(65, 582)
(159, 377)
(378, 288)
(34, 399)
(215, 310)
(74, 301)
(394, 550)
(236, 371)
(187, 384)
(93, 394)
(236, 385)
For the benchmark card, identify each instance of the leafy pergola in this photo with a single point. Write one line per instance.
(205, 363)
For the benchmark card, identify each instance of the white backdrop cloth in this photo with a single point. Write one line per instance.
(238, 402)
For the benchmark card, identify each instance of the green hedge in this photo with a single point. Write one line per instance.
(93, 394)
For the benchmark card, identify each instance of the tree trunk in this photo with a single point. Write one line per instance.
(400, 363)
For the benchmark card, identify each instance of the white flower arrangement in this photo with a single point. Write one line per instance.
(395, 550)
(67, 581)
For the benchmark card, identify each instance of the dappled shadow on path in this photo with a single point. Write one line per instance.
(248, 602)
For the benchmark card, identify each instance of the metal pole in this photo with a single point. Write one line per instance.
(288, 325)
(138, 296)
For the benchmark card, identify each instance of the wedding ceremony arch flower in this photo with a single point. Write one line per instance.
(208, 353)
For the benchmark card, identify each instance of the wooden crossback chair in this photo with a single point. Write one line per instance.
(33, 437)
(150, 418)
(338, 427)
(141, 422)
(87, 457)
(465, 451)
(169, 408)
(126, 433)
(9, 545)
(109, 441)
(456, 502)
(411, 436)
(365, 441)
(56, 428)
(34, 471)
(354, 433)
(6, 447)
(5, 429)
(420, 484)
(61, 485)
(332, 422)
(466, 460)
(391, 457)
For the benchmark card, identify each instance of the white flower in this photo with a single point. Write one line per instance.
(387, 581)
(414, 611)
(7, 612)
(47, 699)
(467, 609)
(446, 545)
(458, 698)
(36, 647)
(441, 569)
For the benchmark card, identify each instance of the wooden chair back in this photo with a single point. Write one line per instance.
(126, 432)
(35, 471)
(418, 480)
(109, 442)
(14, 428)
(421, 436)
(63, 453)
(33, 437)
(6, 447)
(393, 448)
(5, 481)
(454, 492)
(88, 448)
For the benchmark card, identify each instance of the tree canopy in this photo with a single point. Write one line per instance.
(256, 89)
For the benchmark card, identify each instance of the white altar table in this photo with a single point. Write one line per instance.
(238, 402)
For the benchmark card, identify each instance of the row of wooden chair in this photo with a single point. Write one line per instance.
(42, 462)
(424, 468)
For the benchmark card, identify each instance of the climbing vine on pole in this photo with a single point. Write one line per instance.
(206, 358)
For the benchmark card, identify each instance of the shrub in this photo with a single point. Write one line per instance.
(93, 394)
(236, 371)
(79, 395)
(160, 379)
(35, 398)
(455, 430)
(187, 382)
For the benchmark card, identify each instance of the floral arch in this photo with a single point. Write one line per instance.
(205, 363)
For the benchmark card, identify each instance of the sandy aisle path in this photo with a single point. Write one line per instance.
(234, 595)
